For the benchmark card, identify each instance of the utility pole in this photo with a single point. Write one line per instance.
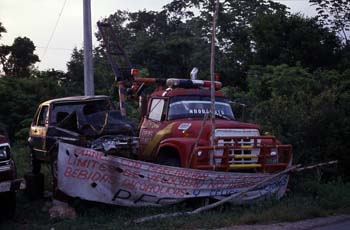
(212, 86)
(89, 88)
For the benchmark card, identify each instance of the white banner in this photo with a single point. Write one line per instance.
(93, 176)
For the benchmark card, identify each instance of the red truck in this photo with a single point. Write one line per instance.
(175, 131)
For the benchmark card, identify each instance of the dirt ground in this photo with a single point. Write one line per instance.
(315, 223)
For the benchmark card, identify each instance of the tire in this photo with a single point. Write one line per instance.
(34, 185)
(53, 167)
(36, 164)
(8, 204)
(169, 160)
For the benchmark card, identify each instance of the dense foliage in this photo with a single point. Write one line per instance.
(291, 71)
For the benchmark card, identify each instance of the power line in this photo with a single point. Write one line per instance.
(54, 29)
(54, 48)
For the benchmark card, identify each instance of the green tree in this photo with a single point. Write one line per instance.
(18, 60)
(2, 29)
(20, 97)
(4, 50)
(104, 78)
(74, 82)
(167, 47)
(334, 14)
(234, 53)
(281, 39)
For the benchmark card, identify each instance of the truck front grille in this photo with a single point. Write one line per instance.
(244, 153)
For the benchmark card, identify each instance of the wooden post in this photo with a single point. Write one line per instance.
(212, 85)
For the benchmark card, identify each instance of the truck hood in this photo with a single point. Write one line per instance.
(219, 123)
(97, 124)
(193, 126)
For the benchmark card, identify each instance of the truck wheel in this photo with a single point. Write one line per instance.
(8, 204)
(170, 161)
(34, 185)
(36, 164)
(53, 166)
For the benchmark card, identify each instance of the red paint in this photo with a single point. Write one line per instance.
(162, 136)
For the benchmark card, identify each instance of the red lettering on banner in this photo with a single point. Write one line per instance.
(160, 169)
(222, 177)
(132, 164)
(153, 177)
(75, 173)
(105, 178)
(92, 164)
(68, 172)
(70, 160)
(84, 174)
(177, 172)
(217, 184)
(88, 152)
(130, 173)
(135, 185)
(103, 167)
(127, 184)
(82, 163)
(89, 164)
(96, 176)
(175, 180)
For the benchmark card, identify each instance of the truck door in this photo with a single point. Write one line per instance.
(38, 130)
(151, 124)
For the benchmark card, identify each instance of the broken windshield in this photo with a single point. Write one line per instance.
(61, 111)
(197, 106)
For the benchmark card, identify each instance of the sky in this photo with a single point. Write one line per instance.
(36, 19)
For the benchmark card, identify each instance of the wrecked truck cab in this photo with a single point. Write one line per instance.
(9, 183)
(88, 121)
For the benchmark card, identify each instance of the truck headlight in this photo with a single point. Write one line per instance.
(274, 157)
(273, 152)
(4, 153)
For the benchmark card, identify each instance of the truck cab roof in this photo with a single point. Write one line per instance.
(170, 92)
(75, 99)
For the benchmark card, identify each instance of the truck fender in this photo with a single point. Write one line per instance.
(183, 147)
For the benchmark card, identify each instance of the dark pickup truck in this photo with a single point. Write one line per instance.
(88, 121)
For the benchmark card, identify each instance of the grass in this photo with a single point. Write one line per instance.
(307, 198)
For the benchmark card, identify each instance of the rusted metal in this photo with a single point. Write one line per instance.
(269, 154)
